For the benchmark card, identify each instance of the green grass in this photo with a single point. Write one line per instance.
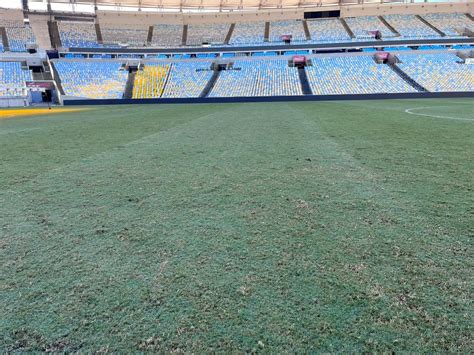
(336, 226)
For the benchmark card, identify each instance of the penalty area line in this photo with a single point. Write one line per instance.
(409, 111)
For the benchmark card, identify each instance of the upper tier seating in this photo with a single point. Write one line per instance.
(19, 35)
(438, 72)
(448, 23)
(95, 80)
(280, 28)
(78, 34)
(258, 78)
(327, 30)
(248, 33)
(410, 26)
(211, 33)
(361, 26)
(187, 79)
(12, 79)
(124, 35)
(150, 82)
(353, 75)
(167, 35)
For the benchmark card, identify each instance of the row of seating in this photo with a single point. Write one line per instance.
(78, 34)
(282, 28)
(124, 35)
(330, 75)
(150, 82)
(438, 72)
(258, 78)
(210, 33)
(95, 80)
(450, 24)
(361, 26)
(327, 30)
(353, 75)
(187, 79)
(81, 34)
(409, 26)
(19, 35)
(13, 78)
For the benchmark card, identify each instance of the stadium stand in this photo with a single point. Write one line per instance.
(19, 35)
(95, 80)
(124, 35)
(327, 30)
(167, 35)
(187, 79)
(78, 34)
(258, 78)
(280, 28)
(438, 72)
(450, 23)
(353, 75)
(361, 26)
(12, 79)
(150, 82)
(410, 27)
(248, 33)
(210, 33)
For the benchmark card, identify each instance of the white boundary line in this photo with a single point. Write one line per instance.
(409, 111)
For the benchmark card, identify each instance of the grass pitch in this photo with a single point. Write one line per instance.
(336, 226)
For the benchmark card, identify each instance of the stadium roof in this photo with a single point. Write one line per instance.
(196, 5)
(203, 4)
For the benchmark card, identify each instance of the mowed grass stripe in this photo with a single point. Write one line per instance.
(258, 224)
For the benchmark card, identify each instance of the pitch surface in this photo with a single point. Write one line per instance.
(338, 226)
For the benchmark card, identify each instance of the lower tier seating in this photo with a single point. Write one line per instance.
(258, 78)
(12, 79)
(353, 75)
(438, 72)
(95, 80)
(187, 79)
(149, 82)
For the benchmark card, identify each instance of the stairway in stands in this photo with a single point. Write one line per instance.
(57, 78)
(347, 28)
(408, 79)
(128, 93)
(229, 34)
(441, 33)
(98, 33)
(305, 87)
(212, 81)
(53, 31)
(3, 33)
(306, 30)
(389, 26)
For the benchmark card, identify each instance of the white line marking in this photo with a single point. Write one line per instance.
(409, 111)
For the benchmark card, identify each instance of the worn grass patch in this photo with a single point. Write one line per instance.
(337, 226)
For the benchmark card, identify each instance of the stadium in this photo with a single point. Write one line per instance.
(236, 176)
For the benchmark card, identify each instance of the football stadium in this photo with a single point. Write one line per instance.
(236, 176)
